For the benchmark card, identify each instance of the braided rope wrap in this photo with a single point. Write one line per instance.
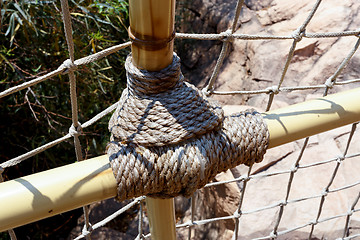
(159, 108)
(180, 169)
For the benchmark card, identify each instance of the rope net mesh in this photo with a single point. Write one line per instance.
(249, 177)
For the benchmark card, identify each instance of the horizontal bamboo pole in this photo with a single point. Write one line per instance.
(312, 117)
(37, 196)
(58, 190)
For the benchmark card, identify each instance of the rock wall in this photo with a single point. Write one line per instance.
(253, 65)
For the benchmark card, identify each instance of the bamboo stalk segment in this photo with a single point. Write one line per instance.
(152, 32)
(312, 117)
(55, 191)
(161, 226)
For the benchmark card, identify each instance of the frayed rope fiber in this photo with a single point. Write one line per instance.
(168, 139)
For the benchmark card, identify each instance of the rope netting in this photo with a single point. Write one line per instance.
(70, 65)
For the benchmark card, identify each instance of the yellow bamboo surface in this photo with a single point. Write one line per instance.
(161, 218)
(58, 190)
(44, 194)
(152, 32)
(152, 22)
(313, 117)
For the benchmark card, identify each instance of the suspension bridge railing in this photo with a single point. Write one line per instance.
(48, 193)
(65, 188)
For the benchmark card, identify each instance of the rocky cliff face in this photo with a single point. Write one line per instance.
(254, 65)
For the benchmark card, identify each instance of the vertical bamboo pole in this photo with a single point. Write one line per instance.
(152, 32)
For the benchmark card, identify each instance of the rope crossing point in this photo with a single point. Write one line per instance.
(168, 139)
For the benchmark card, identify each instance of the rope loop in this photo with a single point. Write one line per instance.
(227, 36)
(273, 235)
(283, 204)
(340, 158)
(75, 131)
(237, 213)
(206, 92)
(86, 231)
(68, 66)
(325, 192)
(329, 83)
(350, 212)
(273, 89)
(298, 34)
(314, 222)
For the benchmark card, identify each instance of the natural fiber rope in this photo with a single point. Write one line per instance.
(159, 108)
(169, 171)
(169, 139)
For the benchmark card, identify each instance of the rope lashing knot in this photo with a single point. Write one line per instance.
(325, 192)
(340, 158)
(86, 231)
(207, 92)
(298, 34)
(159, 108)
(350, 212)
(227, 36)
(273, 235)
(237, 213)
(75, 131)
(329, 83)
(68, 66)
(273, 89)
(172, 141)
(314, 222)
(283, 203)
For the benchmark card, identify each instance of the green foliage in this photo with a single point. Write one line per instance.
(32, 43)
(4, 236)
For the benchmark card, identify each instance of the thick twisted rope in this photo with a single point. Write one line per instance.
(169, 171)
(169, 139)
(159, 108)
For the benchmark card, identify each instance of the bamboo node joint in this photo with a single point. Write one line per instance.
(147, 42)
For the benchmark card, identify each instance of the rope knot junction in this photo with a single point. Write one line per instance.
(168, 138)
(298, 34)
(329, 83)
(227, 35)
(273, 89)
(68, 66)
(75, 131)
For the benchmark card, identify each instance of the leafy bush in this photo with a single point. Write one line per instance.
(32, 43)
